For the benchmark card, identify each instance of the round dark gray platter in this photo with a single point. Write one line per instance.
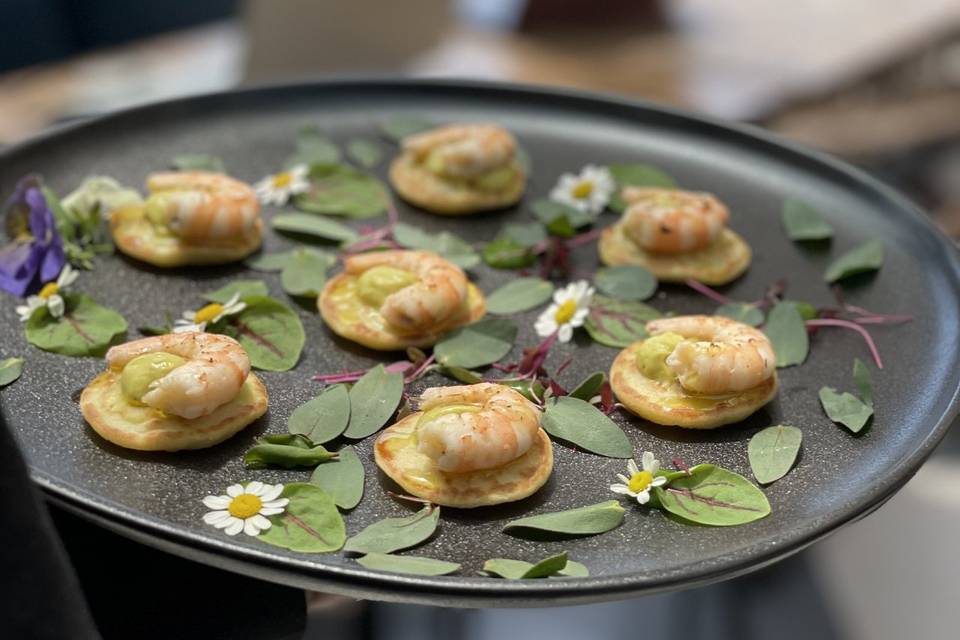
(155, 498)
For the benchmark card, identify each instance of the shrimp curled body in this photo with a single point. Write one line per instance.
(500, 426)
(718, 355)
(216, 368)
(463, 151)
(201, 206)
(672, 221)
(439, 292)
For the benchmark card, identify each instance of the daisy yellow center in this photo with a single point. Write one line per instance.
(48, 290)
(583, 189)
(565, 312)
(245, 505)
(282, 180)
(208, 313)
(640, 481)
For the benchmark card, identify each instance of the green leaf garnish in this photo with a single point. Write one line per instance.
(636, 175)
(400, 126)
(553, 566)
(477, 344)
(415, 565)
(339, 190)
(583, 521)
(310, 523)
(269, 331)
(313, 148)
(861, 259)
(560, 219)
(506, 253)
(582, 424)
(589, 387)
(323, 418)
(618, 323)
(305, 272)
(451, 247)
(365, 152)
(242, 288)
(462, 375)
(741, 312)
(270, 261)
(787, 334)
(528, 234)
(197, 162)
(773, 451)
(85, 329)
(10, 370)
(341, 478)
(803, 222)
(713, 496)
(626, 282)
(861, 377)
(394, 534)
(373, 399)
(845, 408)
(287, 451)
(519, 295)
(315, 226)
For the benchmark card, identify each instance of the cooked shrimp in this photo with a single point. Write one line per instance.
(201, 205)
(463, 151)
(488, 426)
(671, 220)
(216, 368)
(441, 288)
(719, 355)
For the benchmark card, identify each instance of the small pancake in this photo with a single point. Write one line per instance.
(396, 454)
(350, 318)
(136, 236)
(722, 262)
(667, 403)
(427, 190)
(147, 429)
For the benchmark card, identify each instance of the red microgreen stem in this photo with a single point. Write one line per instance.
(713, 294)
(418, 370)
(352, 376)
(848, 324)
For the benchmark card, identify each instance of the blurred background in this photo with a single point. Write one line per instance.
(875, 82)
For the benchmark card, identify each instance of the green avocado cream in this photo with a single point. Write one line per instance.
(651, 356)
(142, 371)
(374, 285)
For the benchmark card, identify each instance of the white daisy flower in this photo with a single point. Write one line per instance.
(276, 189)
(588, 192)
(245, 508)
(641, 481)
(49, 295)
(210, 314)
(569, 310)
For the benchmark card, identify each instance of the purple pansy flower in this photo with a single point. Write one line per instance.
(35, 252)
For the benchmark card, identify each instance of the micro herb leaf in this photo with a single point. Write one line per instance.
(583, 425)
(10, 370)
(323, 418)
(773, 451)
(560, 219)
(861, 377)
(341, 478)
(339, 190)
(269, 261)
(713, 496)
(636, 175)
(477, 344)
(310, 523)
(803, 222)
(788, 334)
(315, 226)
(451, 247)
(618, 323)
(415, 565)
(741, 312)
(583, 521)
(519, 295)
(590, 387)
(861, 259)
(547, 567)
(269, 331)
(285, 450)
(394, 534)
(398, 127)
(242, 288)
(85, 328)
(313, 148)
(503, 252)
(373, 400)
(305, 272)
(626, 282)
(462, 375)
(532, 391)
(528, 234)
(365, 152)
(197, 162)
(845, 408)
(558, 566)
